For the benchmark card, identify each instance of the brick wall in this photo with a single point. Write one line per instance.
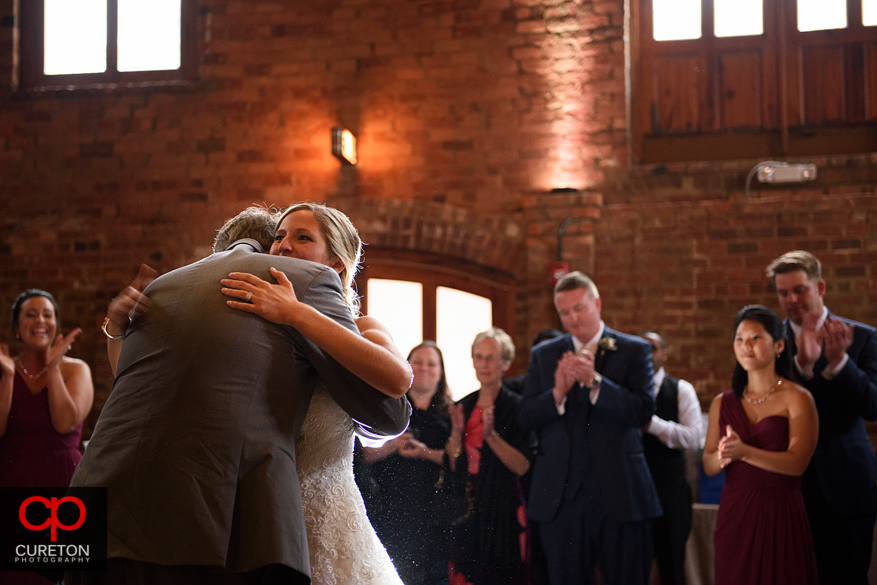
(468, 114)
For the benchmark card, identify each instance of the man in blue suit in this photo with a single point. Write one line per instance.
(588, 393)
(836, 360)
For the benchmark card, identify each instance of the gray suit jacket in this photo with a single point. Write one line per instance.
(196, 444)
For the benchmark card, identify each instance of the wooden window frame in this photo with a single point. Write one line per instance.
(434, 271)
(31, 52)
(784, 128)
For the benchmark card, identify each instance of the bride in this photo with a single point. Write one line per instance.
(343, 546)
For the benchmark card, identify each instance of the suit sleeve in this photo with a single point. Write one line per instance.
(856, 383)
(377, 416)
(629, 399)
(537, 407)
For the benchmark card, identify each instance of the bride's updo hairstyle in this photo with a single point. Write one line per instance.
(774, 327)
(342, 241)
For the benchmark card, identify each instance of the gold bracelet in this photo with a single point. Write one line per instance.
(107, 333)
(455, 454)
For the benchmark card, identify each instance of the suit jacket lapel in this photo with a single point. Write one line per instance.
(600, 358)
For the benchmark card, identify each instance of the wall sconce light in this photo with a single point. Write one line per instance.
(344, 145)
(771, 171)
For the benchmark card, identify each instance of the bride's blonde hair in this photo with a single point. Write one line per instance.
(342, 241)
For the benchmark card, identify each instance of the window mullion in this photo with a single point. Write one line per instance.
(112, 38)
(708, 21)
(430, 329)
(854, 15)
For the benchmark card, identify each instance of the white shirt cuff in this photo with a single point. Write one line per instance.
(830, 373)
(806, 373)
(561, 408)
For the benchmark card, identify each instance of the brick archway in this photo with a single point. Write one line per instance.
(497, 241)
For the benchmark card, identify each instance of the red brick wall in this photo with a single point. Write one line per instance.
(467, 114)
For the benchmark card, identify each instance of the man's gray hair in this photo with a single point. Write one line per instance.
(255, 222)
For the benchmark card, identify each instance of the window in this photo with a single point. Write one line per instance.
(726, 79)
(419, 300)
(83, 42)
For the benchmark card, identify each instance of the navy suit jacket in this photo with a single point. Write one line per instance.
(844, 464)
(598, 447)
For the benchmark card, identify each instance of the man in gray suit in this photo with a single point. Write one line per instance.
(196, 442)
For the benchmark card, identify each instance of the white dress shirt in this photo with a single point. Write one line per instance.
(685, 434)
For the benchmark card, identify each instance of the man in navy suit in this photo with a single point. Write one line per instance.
(588, 393)
(836, 360)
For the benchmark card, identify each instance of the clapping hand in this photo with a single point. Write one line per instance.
(455, 411)
(488, 419)
(131, 302)
(731, 447)
(572, 368)
(7, 366)
(412, 449)
(838, 337)
(63, 344)
(810, 341)
(455, 441)
(398, 444)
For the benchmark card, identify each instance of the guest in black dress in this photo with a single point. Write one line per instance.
(485, 460)
(404, 474)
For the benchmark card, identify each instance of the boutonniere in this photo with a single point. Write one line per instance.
(607, 344)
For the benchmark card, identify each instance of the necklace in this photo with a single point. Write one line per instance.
(28, 374)
(766, 396)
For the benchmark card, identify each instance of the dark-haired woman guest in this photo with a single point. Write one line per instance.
(405, 472)
(762, 433)
(44, 397)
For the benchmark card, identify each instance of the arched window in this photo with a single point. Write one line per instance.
(421, 297)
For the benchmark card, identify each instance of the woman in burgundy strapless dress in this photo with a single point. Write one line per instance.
(762, 433)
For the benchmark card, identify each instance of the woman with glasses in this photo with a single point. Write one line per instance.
(485, 458)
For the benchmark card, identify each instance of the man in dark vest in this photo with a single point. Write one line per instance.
(675, 426)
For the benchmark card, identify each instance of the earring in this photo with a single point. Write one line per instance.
(779, 354)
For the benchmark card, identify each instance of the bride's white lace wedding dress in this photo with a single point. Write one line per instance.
(344, 549)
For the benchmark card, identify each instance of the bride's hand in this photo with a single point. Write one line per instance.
(275, 302)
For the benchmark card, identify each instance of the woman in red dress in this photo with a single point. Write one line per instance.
(762, 433)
